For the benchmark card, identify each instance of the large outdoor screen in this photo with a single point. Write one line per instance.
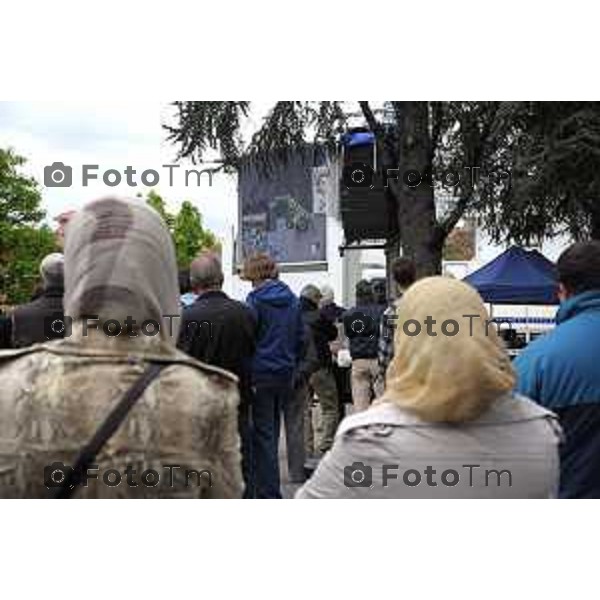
(283, 210)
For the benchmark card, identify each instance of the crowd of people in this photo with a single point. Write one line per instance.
(361, 408)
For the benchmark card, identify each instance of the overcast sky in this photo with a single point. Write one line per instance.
(112, 136)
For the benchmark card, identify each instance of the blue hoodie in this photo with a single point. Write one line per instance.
(561, 371)
(280, 329)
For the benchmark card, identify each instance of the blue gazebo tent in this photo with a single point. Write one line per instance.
(517, 276)
(358, 138)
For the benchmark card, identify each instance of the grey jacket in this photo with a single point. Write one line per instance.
(385, 452)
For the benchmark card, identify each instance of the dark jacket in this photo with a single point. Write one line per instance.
(280, 330)
(220, 331)
(560, 372)
(30, 323)
(319, 330)
(5, 331)
(332, 312)
(365, 343)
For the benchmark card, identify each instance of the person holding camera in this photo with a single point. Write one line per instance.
(449, 424)
(42, 319)
(361, 326)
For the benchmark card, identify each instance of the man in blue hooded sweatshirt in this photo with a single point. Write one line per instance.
(278, 349)
(560, 370)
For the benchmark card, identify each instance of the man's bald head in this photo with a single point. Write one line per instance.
(206, 272)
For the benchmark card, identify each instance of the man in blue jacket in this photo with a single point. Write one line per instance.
(561, 370)
(278, 349)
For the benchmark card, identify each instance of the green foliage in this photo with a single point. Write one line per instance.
(19, 194)
(158, 204)
(19, 270)
(210, 126)
(555, 173)
(189, 234)
(23, 242)
(216, 126)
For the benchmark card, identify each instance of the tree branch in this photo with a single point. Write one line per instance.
(448, 224)
(370, 117)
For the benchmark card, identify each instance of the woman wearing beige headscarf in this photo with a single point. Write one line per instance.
(121, 294)
(448, 425)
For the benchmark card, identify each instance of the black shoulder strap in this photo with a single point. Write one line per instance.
(107, 430)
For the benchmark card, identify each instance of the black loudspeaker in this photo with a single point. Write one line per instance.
(367, 208)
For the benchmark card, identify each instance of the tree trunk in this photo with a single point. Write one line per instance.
(421, 238)
(423, 248)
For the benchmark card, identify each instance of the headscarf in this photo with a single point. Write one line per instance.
(446, 378)
(119, 263)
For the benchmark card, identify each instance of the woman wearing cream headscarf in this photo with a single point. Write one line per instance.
(121, 293)
(448, 425)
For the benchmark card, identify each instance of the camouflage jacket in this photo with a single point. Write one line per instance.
(179, 440)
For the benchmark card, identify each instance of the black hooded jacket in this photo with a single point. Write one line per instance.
(319, 331)
(31, 323)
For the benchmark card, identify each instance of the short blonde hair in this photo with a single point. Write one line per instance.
(259, 267)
